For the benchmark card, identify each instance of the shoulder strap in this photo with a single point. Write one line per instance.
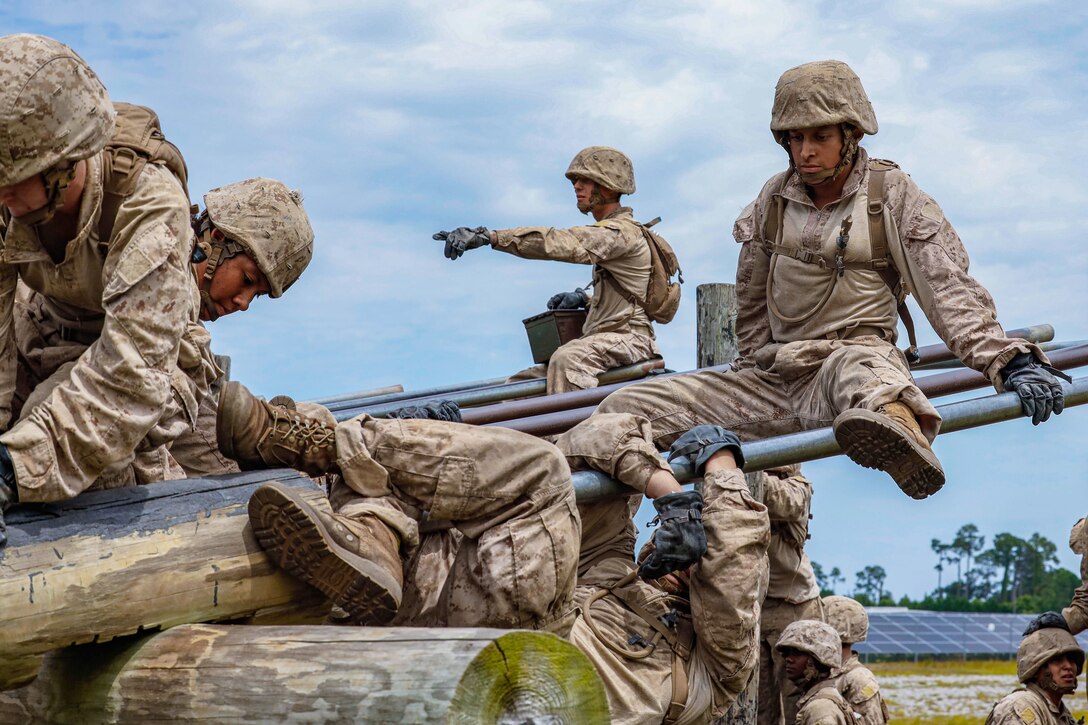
(878, 240)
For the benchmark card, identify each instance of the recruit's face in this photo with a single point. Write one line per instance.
(235, 284)
(795, 663)
(24, 197)
(816, 149)
(1062, 670)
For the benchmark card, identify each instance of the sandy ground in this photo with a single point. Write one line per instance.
(950, 694)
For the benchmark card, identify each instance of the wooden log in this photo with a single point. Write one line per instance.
(716, 344)
(227, 673)
(110, 563)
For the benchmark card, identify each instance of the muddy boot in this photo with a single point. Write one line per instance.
(891, 440)
(258, 434)
(354, 562)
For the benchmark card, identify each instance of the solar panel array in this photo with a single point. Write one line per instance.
(894, 631)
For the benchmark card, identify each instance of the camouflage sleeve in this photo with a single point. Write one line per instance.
(1076, 614)
(729, 583)
(788, 496)
(933, 264)
(125, 381)
(8, 353)
(580, 245)
(821, 711)
(862, 691)
(753, 265)
(619, 445)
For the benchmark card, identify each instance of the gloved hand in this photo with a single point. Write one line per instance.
(1046, 620)
(1036, 384)
(702, 442)
(446, 410)
(680, 541)
(463, 238)
(9, 492)
(576, 300)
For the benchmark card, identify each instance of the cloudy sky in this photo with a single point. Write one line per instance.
(399, 119)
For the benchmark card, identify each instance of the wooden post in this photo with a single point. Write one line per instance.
(111, 563)
(716, 344)
(229, 673)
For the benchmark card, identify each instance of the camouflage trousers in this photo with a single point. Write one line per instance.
(777, 695)
(486, 516)
(791, 387)
(576, 365)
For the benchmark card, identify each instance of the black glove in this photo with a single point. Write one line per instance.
(1046, 620)
(1036, 384)
(9, 492)
(681, 540)
(702, 442)
(463, 238)
(576, 300)
(446, 410)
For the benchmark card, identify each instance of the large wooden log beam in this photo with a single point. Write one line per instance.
(110, 563)
(228, 673)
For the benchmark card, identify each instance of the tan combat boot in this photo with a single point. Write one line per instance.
(354, 562)
(891, 440)
(258, 434)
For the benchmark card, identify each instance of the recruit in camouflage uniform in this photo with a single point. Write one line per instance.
(817, 323)
(121, 353)
(372, 557)
(253, 238)
(505, 559)
(1048, 662)
(812, 653)
(792, 591)
(691, 672)
(855, 681)
(1076, 614)
(617, 330)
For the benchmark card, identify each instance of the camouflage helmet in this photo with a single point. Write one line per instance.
(815, 638)
(848, 618)
(1041, 646)
(1078, 537)
(53, 108)
(606, 166)
(268, 221)
(823, 93)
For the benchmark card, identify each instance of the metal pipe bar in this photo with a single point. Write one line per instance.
(955, 364)
(933, 386)
(359, 399)
(373, 393)
(497, 393)
(812, 445)
(937, 353)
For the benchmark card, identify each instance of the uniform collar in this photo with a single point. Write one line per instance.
(623, 211)
(1038, 692)
(21, 243)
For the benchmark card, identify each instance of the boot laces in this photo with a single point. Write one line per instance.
(309, 433)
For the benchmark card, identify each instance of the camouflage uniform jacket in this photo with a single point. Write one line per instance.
(925, 249)
(615, 244)
(1029, 706)
(146, 371)
(788, 496)
(1076, 614)
(823, 705)
(722, 607)
(858, 685)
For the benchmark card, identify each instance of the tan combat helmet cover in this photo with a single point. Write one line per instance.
(268, 221)
(1039, 647)
(848, 618)
(815, 638)
(606, 166)
(53, 108)
(823, 93)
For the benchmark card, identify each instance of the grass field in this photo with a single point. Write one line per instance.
(951, 692)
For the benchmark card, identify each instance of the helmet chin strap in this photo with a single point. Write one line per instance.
(56, 179)
(1046, 682)
(846, 156)
(217, 251)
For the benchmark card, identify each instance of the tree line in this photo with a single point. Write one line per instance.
(1013, 574)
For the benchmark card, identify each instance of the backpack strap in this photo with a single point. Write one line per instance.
(882, 262)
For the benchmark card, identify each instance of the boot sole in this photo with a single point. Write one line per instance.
(872, 440)
(289, 531)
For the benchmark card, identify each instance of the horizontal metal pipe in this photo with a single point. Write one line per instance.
(933, 386)
(373, 393)
(355, 400)
(481, 396)
(938, 353)
(956, 364)
(812, 445)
